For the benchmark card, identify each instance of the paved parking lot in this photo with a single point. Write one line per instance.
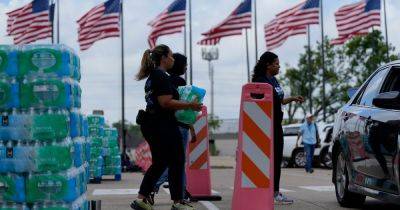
(313, 191)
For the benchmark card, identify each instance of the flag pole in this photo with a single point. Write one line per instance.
(190, 43)
(58, 21)
(52, 21)
(123, 83)
(255, 29)
(323, 61)
(386, 30)
(309, 68)
(184, 48)
(247, 56)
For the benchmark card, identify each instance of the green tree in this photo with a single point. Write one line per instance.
(365, 54)
(133, 133)
(345, 67)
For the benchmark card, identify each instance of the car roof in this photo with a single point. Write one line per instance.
(292, 125)
(393, 63)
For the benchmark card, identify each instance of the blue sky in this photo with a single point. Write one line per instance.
(101, 63)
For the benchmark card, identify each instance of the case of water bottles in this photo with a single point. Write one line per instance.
(44, 150)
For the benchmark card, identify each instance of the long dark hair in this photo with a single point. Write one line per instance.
(151, 59)
(180, 63)
(266, 59)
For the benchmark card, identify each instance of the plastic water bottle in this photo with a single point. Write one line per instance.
(55, 157)
(8, 60)
(14, 187)
(189, 94)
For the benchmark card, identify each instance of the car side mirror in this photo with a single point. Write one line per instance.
(387, 100)
(351, 92)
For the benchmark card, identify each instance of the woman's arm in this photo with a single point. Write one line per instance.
(167, 102)
(291, 99)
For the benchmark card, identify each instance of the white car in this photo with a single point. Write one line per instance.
(293, 155)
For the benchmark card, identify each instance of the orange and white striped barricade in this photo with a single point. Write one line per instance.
(198, 162)
(254, 177)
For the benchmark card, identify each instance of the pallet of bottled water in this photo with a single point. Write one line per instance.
(112, 155)
(44, 146)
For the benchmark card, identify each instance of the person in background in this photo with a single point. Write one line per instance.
(160, 128)
(310, 139)
(264, 72)
(176, 72)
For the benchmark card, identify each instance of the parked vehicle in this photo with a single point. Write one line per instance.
(295, 156)
(366, 141)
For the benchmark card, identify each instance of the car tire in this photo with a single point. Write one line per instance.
(299, 158)
(326, 158)
(344, 197)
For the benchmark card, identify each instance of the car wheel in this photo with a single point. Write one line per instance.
(326, 158)
(343, 195)
(299, 158)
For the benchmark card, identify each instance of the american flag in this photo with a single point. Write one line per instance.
(233, 25)
(31, 22)
(357, 19)
(293, 21)
(170, 21)
(99, 23)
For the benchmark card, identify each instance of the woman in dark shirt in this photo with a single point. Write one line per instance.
(160, 127)
(176, 72)
(264, 72)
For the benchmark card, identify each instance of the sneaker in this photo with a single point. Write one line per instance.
(139, 204)
(280, 199)
(182, 206)
(311, 171)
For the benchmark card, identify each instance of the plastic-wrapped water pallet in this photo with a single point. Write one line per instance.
(45, 127)
(49, 60)
(79, 204)
(23, 158)
(65, 186)
(46, 93)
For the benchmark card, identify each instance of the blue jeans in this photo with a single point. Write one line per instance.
(164, 176)
(309, 150)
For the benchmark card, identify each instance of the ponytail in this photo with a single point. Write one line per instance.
(151, 60)
(146, 66)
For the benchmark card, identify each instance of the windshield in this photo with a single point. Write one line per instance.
(291, 131)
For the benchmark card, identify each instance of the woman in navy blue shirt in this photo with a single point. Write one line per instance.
(160, 127)
(264, 72)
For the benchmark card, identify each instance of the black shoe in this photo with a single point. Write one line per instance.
(311, 171)
(189, 197)
(151, 198)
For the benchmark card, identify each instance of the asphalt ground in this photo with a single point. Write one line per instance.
(309, 191)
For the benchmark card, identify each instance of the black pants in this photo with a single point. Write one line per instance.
(165, 141)
(278, 155)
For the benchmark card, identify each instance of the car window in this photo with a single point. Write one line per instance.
(291, 131)
(392, 82)
(373, 88)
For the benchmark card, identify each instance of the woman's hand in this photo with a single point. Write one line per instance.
(298, 99)
(195, 106)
